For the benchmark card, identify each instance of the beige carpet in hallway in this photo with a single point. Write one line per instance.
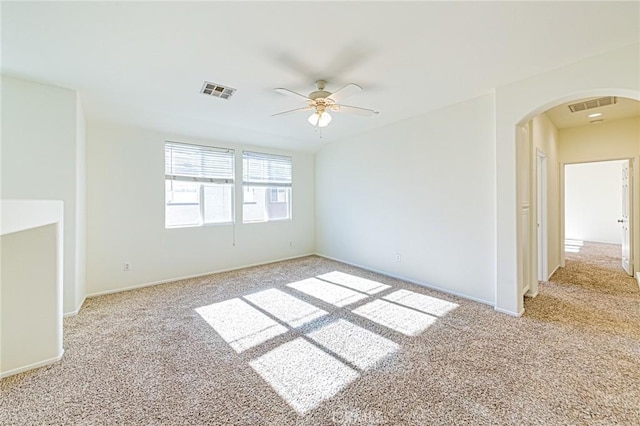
(272, 345)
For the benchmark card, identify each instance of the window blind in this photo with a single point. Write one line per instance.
(261, 169)
(198, 163)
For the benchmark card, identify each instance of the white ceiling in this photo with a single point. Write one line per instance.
(143, 63)
(563, 118)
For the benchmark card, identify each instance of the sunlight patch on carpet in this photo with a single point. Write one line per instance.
(360, 284)
(302, 374)
(314, 367)
(404, 320)
(240, 325)
(427, 304)
(361, 347)
(286, 308)
(330, 293)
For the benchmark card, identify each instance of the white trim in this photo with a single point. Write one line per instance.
(513, 314)
(31, 366)
(638, 277)
(553, 272)
(542, 202)
(377, 271)
(74, 313)
(170, 280)
(531, 295)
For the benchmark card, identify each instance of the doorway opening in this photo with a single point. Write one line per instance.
(596, 207)
(551, 147)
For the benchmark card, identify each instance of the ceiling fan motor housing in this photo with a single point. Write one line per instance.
(320, 93)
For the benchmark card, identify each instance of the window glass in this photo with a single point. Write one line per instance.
(199, 185)
(267, 181)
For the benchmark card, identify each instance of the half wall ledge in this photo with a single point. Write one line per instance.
(31, 236)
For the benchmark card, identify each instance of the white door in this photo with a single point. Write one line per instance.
(627, 264)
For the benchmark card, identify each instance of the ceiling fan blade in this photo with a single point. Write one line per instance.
(346, 91)
(307, 108)
(366, 112)
(290, 93)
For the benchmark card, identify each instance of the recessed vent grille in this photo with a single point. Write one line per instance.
(592, 103)
(213, 89)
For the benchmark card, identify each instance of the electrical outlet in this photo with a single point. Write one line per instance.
(126, 267)
(398, 257)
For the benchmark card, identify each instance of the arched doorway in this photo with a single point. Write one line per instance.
(555, 141)
(611, 74)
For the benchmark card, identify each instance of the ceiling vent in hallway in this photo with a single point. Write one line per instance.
(592, 103)
(217, 90)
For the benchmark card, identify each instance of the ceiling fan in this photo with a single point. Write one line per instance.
(321, 102)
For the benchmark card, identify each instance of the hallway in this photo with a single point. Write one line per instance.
(592, 292)
(596, 267)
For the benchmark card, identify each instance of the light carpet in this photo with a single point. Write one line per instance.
(316, 342)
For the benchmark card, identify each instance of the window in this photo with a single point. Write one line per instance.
(266, 184)
(198, 185)
(278, 195)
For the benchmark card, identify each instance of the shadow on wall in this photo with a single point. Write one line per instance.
(332, 352)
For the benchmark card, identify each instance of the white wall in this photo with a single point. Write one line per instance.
(544, 136)
(612, 73)
(593, 195)
(125, 210)
(31, 267)
(423, 188)
(42, 158)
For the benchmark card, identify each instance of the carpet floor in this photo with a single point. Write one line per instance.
(316, 342)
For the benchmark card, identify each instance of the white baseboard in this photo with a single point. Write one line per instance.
(553, 272)
(464, 296)
(513, 314)
(170, 280)
(638, 277)
(31, 366)
(74, 313)
(531, 295)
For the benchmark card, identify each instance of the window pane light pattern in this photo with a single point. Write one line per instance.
(361, 347)
(308, 355)
(198, 185)
(404, 320)
(303, 374)
(327, 292)
(239, 324)
(288, 309)
(266, 181)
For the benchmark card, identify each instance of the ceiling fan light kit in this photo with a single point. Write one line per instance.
(321, 102)
(320, 119)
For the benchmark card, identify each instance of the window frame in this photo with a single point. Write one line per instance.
(202, 181)
(279, 176)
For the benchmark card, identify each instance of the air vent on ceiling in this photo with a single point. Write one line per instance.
(592, 103)
(213, 89)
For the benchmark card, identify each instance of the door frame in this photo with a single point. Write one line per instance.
(630, 217)
(632, 211)
(541, 216)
